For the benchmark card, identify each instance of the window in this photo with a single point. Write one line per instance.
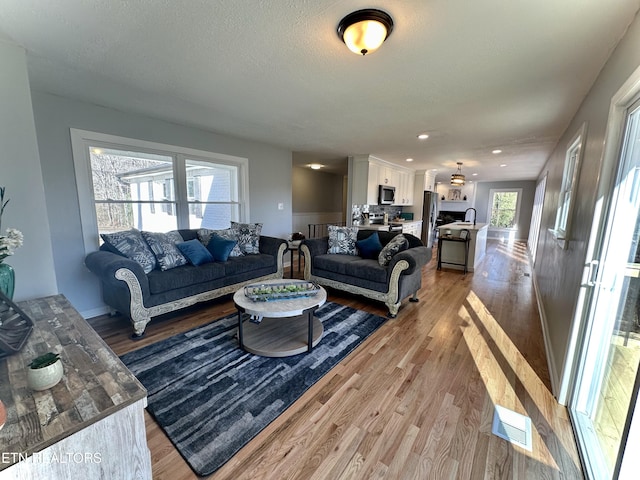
(569, 184)
(504, 208)
(125, 183)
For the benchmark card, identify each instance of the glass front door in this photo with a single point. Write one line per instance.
(608, 366)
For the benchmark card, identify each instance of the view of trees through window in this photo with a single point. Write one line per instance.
(137, 189)
(504, 207)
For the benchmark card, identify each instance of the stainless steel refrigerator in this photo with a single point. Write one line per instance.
(429, 215)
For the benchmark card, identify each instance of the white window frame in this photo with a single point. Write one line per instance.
(82, 140)
(516, 221)
(572, 163)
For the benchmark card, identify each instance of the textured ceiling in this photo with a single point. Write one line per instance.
(476, 75)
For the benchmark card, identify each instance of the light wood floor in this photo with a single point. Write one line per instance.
(414, 401)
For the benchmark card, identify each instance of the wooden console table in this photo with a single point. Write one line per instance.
(91, 424)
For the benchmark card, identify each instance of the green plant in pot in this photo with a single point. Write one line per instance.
(44, 371)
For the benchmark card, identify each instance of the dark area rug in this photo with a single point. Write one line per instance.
(211, 398)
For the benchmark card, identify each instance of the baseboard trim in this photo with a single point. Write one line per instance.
(551, 363)
(95, 312)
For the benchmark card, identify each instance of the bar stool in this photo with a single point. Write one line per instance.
(464, 237)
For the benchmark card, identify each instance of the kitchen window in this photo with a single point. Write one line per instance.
(125, 183)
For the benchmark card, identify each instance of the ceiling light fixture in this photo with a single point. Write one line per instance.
(365, 30)
(409, 159)
(496, 151)
(423, 136)
(457, 179)
(315, 166)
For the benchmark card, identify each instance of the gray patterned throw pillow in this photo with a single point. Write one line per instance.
(204, 235)
(342, 240)
(131, 244)
(248, 235)
(163, 246)
(397, 244)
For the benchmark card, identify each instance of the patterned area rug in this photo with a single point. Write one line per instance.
(211, 398)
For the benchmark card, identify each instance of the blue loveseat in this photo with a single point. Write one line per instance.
(401, 278)
(126, 287)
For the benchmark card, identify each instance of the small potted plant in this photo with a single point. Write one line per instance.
(44, 371)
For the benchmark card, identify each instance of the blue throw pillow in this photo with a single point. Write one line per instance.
(369, 247)
(220, 247)
(195, 252)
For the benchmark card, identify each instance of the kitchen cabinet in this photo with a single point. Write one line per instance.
(368, 172)
(413, 228)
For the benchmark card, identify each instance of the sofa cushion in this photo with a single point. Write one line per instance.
(248, 263)
(248, 235)
(131, 244)
(366, 269)
(204, 235)
(220, 248)
(342, 240)
(185, 276)
(333, 263)
(370, 247)
(163, 246)
(397, 244)
(195, 252)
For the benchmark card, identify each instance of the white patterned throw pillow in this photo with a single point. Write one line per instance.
(397, 244)
(163, 246)
(342, 240)
(131, 244)
(248, 236)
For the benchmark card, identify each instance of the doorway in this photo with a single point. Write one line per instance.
(605, 391)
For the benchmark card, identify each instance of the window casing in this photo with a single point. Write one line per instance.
(504, 208)
(125, 183)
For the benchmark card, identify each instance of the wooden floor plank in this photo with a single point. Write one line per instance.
(416, 399)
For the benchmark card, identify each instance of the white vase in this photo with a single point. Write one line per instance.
(45, 377)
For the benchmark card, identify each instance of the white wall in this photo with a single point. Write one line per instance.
(558, 271)
(269, 179)
(20, 172)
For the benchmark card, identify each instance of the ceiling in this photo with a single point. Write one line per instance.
(476, 76)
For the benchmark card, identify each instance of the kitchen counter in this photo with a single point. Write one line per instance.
(454, 251)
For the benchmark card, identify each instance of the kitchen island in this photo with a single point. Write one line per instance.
(453, 253)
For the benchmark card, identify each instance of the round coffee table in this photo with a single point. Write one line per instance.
(279, 328)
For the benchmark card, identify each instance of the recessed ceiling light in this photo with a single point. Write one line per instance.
(315, 166)
(503, 164)
(423, 136)
(496, 151)
(409, 159)
(474, 174)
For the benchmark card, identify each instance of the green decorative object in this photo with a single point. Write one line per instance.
(7, 280)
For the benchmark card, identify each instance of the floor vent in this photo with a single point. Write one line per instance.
(513, 427)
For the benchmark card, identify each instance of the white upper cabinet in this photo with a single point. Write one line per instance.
(370, 172)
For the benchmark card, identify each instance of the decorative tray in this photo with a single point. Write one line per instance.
(260, 292)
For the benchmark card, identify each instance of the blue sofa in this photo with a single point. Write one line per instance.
(127, 289)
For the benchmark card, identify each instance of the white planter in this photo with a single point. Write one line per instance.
(46, 377)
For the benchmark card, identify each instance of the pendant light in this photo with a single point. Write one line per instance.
(458, 179)
(365, 30)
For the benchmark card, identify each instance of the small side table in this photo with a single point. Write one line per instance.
(454, 239)
(294, 246)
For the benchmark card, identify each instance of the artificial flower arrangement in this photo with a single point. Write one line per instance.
(13, 239)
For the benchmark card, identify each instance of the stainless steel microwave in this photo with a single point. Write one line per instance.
(386, 195)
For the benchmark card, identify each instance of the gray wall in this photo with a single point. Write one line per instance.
(526, 204)
(558, 271)
(20, 173)
(269, 179)
(316, 191)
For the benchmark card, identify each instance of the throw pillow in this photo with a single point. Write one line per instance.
(220, 248)
(195, 252)
(248, 235)
(397, 244)
(163, 245)
(370, 247)
(342, 240)
(204, 235)
(131, 244)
